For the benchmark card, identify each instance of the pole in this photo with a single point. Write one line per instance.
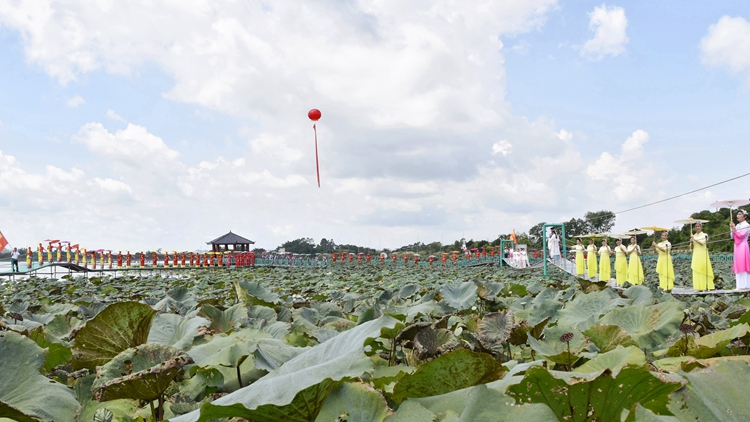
(317, 166)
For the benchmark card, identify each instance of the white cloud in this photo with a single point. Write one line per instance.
(76, 101)
(502, 147)
(133, 145)
(564, 135)
(727, 45)
(609, 25)
(112, 186)
(114, 116)
(626, 172)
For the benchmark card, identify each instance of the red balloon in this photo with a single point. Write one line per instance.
(314, 115)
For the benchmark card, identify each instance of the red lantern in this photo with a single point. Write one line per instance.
(314, 114)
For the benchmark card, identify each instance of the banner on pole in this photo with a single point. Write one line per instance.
(3, 242)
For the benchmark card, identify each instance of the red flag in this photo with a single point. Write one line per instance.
(3, 241)
(513, 237)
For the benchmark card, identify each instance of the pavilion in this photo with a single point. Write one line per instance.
(237, 243)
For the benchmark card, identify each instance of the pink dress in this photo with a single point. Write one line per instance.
(741, 265)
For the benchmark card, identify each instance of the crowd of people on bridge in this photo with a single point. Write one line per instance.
(595, 262)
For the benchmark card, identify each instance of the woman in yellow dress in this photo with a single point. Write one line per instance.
(635, 268)
(703, 273)
(664, 264)
(605, 269)
(621, 263)
(580, 260)
(591, 258)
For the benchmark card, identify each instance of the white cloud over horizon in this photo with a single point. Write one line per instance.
(727, 45)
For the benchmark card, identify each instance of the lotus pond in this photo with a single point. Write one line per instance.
(370, 343)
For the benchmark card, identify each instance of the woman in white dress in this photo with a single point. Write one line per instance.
(553, 244)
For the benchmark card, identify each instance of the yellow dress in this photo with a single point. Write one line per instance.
(635, 268)
(703, 273)
(664, 265)
(621, 265)
(605, 270)
(580, 261)
(591, 261)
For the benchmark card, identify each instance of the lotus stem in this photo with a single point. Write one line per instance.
(160, 409)
(153, 412)
(239, 376)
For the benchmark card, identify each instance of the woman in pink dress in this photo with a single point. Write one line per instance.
(741, 265)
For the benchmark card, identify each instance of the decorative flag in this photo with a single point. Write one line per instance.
(513, 236)
(3, 241)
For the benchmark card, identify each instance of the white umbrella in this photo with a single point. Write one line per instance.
(730, 203)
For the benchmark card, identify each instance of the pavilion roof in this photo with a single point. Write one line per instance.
(230, 239)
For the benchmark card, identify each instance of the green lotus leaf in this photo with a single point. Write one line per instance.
(261, 312)
(713, 394)
(554, 349)
(227, 349)
(118, 327)
(357, 401)
(226, 320)
(141, 373)
(459, 296)
(272, 353)
(304, 407)
(641, 414)
(202, 381)
(25, 394)
(614, 360)
(708, 345)
(649, 326)
(689, 363)
(121, 409)
(544, 310)
(586, 309)
(176, 331)
(496, 328)
(252, 293)
(481, 403)
(597, 396)
(409, 290)
(56, 354)
(608, 337)
(342, 356)
(430, 342)
(60, 328)
(640, 295)
(453, 371)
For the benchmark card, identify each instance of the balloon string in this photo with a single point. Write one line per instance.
(317, 166)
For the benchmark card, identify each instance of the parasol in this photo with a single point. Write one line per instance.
(730, 203)
(620, 236)
(691, 221)
(635, 232)
(655, 229)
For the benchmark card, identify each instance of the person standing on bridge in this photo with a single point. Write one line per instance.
(703, 273)
(664, 264)
(14, 260)
(580, 260)
(635, 268)
(591, 259)
(741, 264)
(605, 268)
(553, 244)
(621, 263)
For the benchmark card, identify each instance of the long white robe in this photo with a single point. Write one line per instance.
(553, 244)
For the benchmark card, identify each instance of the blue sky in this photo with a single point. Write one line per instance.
(148, 125)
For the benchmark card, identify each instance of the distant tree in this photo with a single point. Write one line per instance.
(305, 245)
(599, 221)
(536, 235)
(576, 227)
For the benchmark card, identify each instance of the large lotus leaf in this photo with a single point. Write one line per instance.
(586, 309)
(614, 360)
(410, 313)
(58, 308)
(226, 320)
(304, 407)
(481, 403)
(708, 345)
(141, 373)
(261, 312)
(598, 396)
(56, 354)
(714, 394)
(60, 328)
(409, 290)
(496, 328)
(453, 371)
(121, 409)
(342, 356)
(272, 353)
(25, 394)
(118, 327)
(176, 331)
(554, 349)
(689, 363)
(358, 402)
(202, 381)
(252, 293)
(226, 350)
(430, 342)
(649, 326)
(640, 295)
(459, 296)
(546, 309)
(608, 337)
(641, 414)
